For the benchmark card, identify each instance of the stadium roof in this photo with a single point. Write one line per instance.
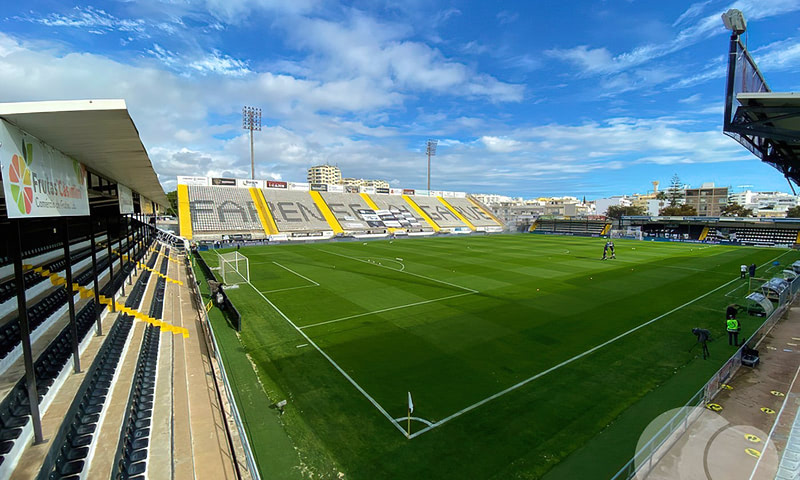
(769, 126)
(98, 133)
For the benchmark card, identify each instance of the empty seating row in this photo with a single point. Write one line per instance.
(223, 209)
(294, 211)
(41, 311)
(473, 213)
(79, 427)
(438, 212)
(407, 217)
(78, 430)
(131, 460)
(15, 407)
(575, 227)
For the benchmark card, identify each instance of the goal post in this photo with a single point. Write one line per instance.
(234, 268)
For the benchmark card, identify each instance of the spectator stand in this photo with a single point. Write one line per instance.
(65, 218)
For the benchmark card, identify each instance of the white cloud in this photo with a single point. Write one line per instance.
(501, 145)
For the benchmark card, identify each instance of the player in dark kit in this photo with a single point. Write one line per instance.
(609, 246)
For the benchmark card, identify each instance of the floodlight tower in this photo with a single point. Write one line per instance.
(431, 151)
(251, 120)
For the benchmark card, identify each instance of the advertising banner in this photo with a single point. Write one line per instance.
(336, 188)
(319, 187)
(224, 182)
(197, 181)
(247, 183)
(351, 189)
(408, 191)
(367, 189)
(146, 205)
(436, 193)
(395, 191)
(382, 190)
(38, 180)
(125, 199)
(298, 186)
(423, 193)
(276, 184)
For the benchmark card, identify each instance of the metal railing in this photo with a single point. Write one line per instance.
(209, 331)
(651, 452)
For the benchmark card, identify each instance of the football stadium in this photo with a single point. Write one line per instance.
(293, 330)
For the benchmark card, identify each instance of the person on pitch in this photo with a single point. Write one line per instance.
(733, 330)
(703, 337)
(743, 270)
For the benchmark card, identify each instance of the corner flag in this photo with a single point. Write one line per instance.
(410, 404)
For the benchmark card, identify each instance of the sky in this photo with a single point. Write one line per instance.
(547, 98)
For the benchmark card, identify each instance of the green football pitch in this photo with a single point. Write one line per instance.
(526, 356)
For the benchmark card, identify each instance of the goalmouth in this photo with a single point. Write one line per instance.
(234, 268)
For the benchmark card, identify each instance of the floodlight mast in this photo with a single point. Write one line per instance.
(431, 151)
(251, 120)
(734, 21)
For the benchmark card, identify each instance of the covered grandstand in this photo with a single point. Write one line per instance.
(96, 349)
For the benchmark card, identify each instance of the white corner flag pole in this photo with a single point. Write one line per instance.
(410, 411)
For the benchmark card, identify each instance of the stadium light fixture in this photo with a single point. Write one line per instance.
(251, 120)
(734, 21)
(431, 151)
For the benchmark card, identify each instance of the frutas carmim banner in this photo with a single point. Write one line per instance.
(38, 180)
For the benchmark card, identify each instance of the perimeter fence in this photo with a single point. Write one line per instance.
(651, 452)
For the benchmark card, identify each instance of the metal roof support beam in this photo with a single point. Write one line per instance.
(73, 326)
(25, 333)
(110, 264)
(98, 321)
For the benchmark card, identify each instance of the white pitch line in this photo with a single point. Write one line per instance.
(568, 361)
(335, 365)
(419, 419)
(402, 271)
(737, 288)
(385, 310)
(301, 276)
(288, 288)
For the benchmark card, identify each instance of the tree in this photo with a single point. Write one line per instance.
(793, 212)
(736, 210)
(675, 191)
(662, 195)
(173, 202)
(617, 211)
(678, 211)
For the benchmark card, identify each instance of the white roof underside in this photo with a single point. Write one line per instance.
(775, 99)
(98, 133)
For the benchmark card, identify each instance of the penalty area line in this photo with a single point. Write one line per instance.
(301, 276)
(332, 362)
(401, 271)
(570, 360)
(385, 310)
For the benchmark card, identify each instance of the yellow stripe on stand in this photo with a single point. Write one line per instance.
(457, 213)
(484, 210)
(184, 216)
(606, 229)
(369, 201)
(533, 226)
(267, 223)
(326, 212)
(703, 234)
(421, 213)
(89, 293)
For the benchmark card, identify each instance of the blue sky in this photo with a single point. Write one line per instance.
(583, 98)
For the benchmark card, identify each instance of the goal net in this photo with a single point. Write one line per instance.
(234, 268)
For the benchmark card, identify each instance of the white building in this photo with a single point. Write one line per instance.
(329, 174)
(602, 204)
(765, 204)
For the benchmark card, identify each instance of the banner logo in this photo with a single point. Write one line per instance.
(20, 177)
